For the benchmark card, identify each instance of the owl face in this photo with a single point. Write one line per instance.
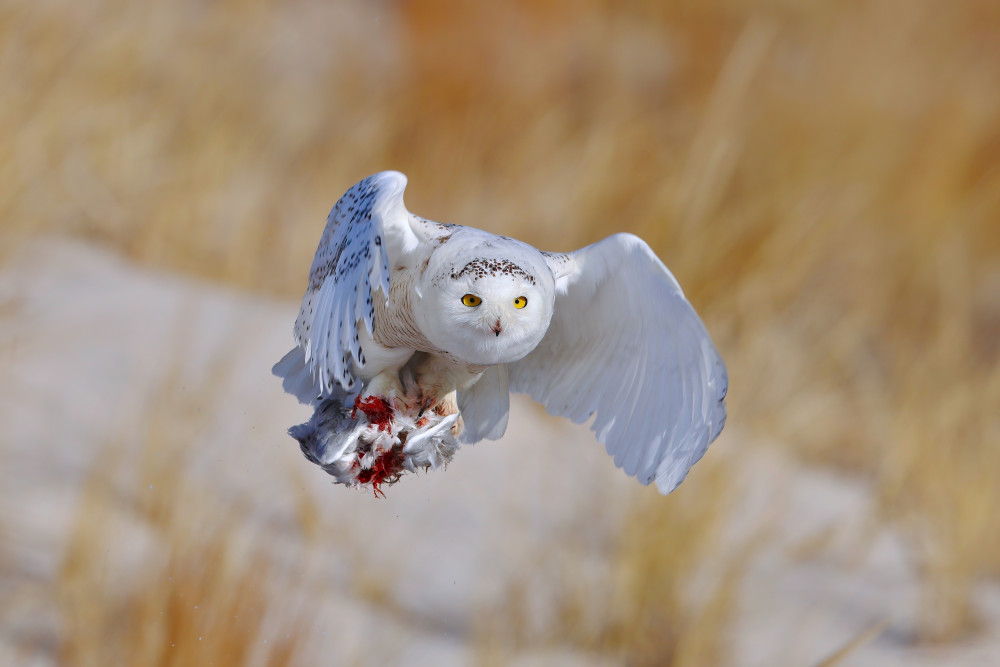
(484, 317)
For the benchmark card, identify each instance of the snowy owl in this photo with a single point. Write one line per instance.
(433, 325)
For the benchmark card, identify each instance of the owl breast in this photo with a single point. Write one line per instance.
(394, 325)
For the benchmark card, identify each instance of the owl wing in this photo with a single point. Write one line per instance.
(485, 406)
(350, 267)
(625, 344)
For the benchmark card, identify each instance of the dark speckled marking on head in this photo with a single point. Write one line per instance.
(482, 267)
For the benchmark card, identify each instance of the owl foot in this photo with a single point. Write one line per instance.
(448, 405)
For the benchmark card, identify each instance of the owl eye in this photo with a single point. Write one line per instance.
(471, 300)
(521, 302)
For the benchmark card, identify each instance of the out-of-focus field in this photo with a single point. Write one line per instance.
(823, 178)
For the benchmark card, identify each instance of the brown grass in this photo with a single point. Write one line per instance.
(671, 603)
(208, 603)
(823, 178)
(159, 570)
(655, 591)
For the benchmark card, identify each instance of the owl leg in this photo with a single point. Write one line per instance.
(381, 373)
(385, 385)
(438, 382)
(381, 398)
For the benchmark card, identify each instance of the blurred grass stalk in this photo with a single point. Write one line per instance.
(660, 590)
(823, 178)
(161, 570)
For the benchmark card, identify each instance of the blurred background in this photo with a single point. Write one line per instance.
(823, 178)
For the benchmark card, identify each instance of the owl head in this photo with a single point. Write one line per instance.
(491, 309)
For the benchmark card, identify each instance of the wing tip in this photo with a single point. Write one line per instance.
(670, 474)
(719, 411)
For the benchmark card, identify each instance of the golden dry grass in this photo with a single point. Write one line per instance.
(202, 588)
(657, 592)
(823, 178)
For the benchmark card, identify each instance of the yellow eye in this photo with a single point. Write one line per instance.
(471, 300)
(521, 302)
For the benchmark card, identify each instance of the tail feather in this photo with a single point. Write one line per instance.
(297, 379)
(485, 406)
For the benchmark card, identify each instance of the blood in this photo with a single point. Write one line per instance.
(385, 470)
(378, 411)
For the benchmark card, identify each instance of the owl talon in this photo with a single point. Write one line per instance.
(427, 404)
(458, 427)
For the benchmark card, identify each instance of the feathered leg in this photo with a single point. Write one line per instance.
(438, 382)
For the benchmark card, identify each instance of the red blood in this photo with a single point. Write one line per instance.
(385, 470)
(378, 411)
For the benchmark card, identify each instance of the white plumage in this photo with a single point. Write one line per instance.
(437, 319)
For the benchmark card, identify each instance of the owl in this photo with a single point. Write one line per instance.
(413, 324)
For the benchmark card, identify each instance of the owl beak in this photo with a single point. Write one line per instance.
(497, 328)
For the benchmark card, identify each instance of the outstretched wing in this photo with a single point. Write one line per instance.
(625, 344)
(350, 267)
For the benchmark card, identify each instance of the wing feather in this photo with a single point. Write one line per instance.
(353, 255)
(626, 348)
(485, 406)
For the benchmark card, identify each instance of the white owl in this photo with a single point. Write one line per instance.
(407, 317)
